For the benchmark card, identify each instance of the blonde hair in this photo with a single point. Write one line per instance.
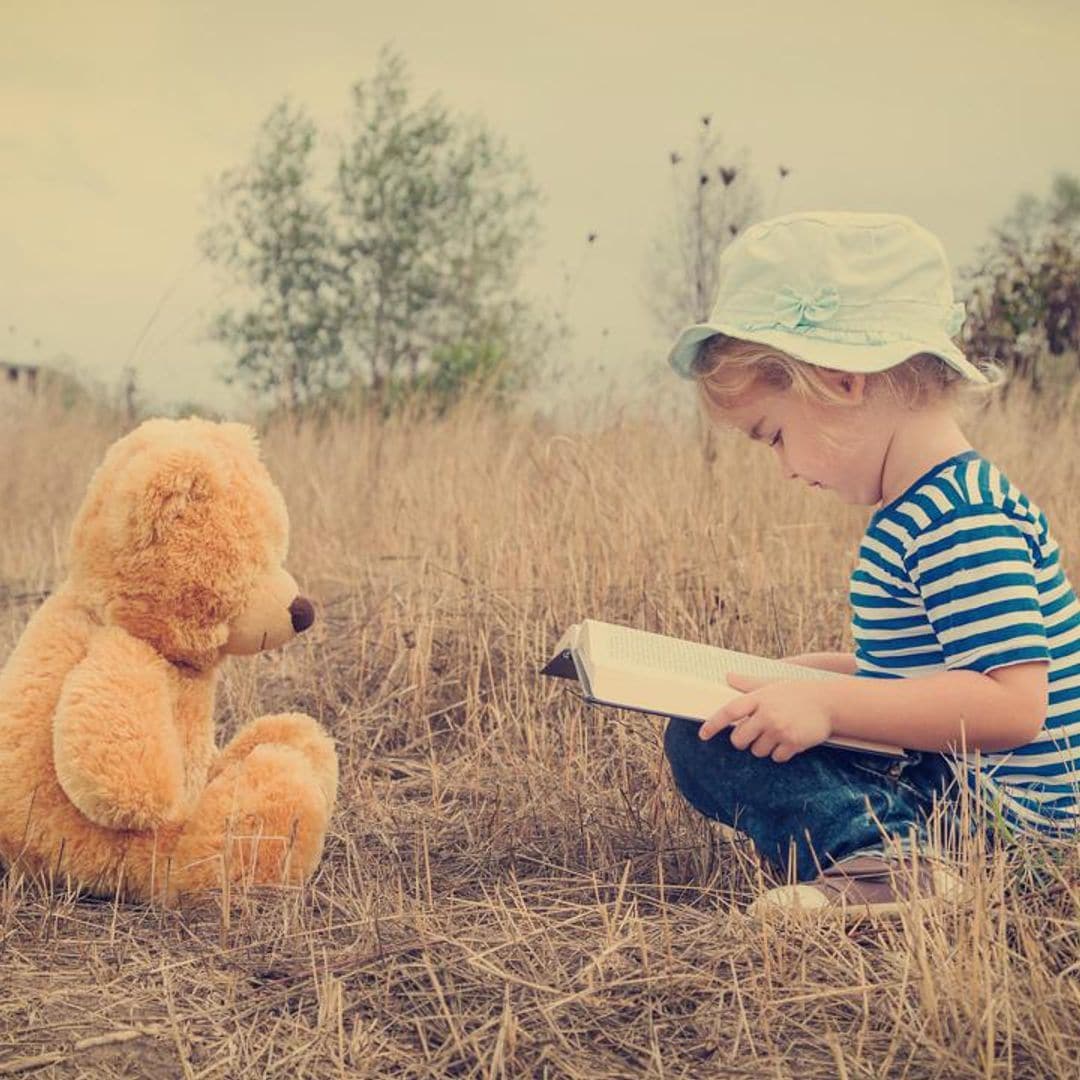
(728, 370)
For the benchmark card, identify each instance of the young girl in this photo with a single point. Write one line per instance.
(830, 342)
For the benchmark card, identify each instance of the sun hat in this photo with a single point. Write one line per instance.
(851, 291)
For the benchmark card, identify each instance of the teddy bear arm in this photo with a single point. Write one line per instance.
(115, 746)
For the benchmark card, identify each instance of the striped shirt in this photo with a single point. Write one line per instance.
(961, 572)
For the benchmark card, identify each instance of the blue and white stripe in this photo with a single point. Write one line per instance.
(961, 572)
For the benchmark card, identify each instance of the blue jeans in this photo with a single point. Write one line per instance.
(820, 807)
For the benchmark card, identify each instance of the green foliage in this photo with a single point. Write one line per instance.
(435, 214)
(276, 239)
(1031, 213)
(400, 278)
(1023, 294)
(458, 369)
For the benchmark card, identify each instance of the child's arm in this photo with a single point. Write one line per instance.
(961, 710)
(842, 662)
(975, 573)
(974, 570)
(952, 710)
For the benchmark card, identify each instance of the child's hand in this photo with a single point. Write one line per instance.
(772, 719)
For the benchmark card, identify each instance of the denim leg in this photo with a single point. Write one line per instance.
(827, 803)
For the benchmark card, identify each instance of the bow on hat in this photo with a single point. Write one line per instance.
(796, 309)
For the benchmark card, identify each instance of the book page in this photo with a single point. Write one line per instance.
(693, 699)
(638, 650)
(654, 673)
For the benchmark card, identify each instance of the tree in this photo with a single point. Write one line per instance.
(1031, 213)
(435, 214)
(407, 262)
(714, 199)
(276, 238)
(1023, 290)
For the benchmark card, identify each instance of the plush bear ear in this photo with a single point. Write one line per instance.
(179, 567)
(171, 495)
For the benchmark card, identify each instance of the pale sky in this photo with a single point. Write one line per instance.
(115, 116)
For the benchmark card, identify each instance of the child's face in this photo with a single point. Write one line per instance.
(839, 447)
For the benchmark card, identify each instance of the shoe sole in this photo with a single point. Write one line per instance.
(952, 893)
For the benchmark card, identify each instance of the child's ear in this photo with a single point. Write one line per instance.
(849, 385)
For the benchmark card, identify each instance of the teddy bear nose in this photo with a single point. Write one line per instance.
(302, 613)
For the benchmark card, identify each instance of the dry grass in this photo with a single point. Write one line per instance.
(512, 887)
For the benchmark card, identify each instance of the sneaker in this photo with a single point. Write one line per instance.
(866, 886)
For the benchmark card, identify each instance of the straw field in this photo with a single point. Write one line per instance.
(511, 885)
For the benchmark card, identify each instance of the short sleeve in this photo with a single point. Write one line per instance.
(977, 579)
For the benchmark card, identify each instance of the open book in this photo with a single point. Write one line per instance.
(651, 673)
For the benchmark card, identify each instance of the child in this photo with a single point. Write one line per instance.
(831, 343)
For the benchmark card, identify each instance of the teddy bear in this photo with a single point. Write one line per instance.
(110, 777)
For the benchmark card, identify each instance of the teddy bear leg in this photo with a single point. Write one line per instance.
(295, 730)
(261, 821)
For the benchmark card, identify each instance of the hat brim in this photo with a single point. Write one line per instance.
(838, 356)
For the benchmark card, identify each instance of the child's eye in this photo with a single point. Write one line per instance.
(776, 439)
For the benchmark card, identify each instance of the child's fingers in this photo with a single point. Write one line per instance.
(715, 723)
(746, 683)
(764, 745)
(731, 713)
(746, 732)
